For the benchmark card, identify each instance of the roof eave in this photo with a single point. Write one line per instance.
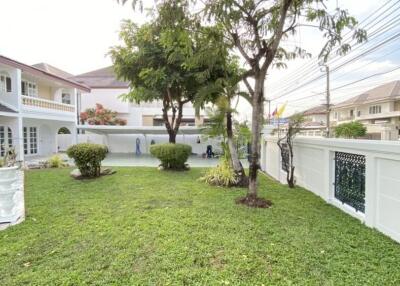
(39, 72)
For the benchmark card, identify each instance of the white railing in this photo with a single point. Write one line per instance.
(48, 104)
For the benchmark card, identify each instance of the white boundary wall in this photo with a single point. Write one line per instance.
(315, 167)
(126, 143)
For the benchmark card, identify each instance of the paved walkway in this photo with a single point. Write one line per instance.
(131, 160)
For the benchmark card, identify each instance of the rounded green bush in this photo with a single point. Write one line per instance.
(88, 157)
(172, 156)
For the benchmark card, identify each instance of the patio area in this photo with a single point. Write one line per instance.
(133, 160)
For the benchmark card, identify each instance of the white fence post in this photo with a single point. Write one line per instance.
(370, 190)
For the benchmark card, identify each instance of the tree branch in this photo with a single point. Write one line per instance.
(249, 88)
(273, 46)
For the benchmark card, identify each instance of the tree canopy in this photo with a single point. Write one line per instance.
(353, 129)
(170, 59)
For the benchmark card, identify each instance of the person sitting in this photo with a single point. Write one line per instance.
(209, 152)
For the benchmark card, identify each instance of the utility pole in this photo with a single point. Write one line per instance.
(328, 103)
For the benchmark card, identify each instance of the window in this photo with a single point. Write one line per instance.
(335, 115)
(30, 140)
(351, 113)
(6, 140)
(8, 84)
(32, 89)
(2, 141)
(33, 140)
(66, 98)
(25, 140)
(29, 88)
(375, 109)
(158, 122)
(359, 113)
(10, 139)
(24, 88)
(5, 83)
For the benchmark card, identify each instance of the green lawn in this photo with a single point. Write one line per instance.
(146, 227)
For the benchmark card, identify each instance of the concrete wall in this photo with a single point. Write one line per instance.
(45, 91)
(314, 162)
(126, 143)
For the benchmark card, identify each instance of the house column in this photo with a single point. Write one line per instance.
(19, 138)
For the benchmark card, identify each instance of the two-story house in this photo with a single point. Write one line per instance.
(378, 109)
(106, 90)
(144, 120)
(35, 103)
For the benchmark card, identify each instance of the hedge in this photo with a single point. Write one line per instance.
(88, 157)
(172, 156)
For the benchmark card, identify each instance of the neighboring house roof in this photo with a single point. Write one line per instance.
(53, 70)
(321, 109)
(101, 78)
(313, 124)
(386, 91)
(39, 72)
(4, 108)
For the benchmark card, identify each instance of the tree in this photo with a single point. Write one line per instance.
(169, 59)
(101, 116)
(222, 122)
(232, 133)
(255, 29)
(286, 147)
(353, 129)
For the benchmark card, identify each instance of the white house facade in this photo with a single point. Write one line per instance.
(144, 120)
(106, 89)
(378, 109)
(35, 102)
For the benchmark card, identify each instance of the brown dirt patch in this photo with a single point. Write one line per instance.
(254, 202)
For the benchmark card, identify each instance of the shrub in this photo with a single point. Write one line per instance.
(350, 130)
(88, 157)
(56, 162)
(172, 156)
(223, 175)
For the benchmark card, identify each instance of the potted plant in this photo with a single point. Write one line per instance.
(11, 188)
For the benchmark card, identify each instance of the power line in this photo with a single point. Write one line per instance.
(305, 70)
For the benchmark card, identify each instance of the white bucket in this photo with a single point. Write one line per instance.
(11, 195)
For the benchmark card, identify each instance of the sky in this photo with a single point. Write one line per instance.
(75, 36)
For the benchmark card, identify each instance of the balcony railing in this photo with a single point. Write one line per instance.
(48, 104)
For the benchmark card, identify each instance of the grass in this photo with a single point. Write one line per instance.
(146, 227)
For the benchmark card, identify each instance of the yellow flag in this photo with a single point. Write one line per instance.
(281, 110)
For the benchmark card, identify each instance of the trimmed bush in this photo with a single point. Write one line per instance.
(88, 157)
(172, 156)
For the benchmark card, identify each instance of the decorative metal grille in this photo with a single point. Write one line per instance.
(350, 179)
(285, 157)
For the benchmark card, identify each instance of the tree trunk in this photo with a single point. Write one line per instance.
(172, 137)
(173, 125)
(256, 126)
(237, 165)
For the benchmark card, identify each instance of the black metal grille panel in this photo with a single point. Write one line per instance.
(350, 179)
(285, 157)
